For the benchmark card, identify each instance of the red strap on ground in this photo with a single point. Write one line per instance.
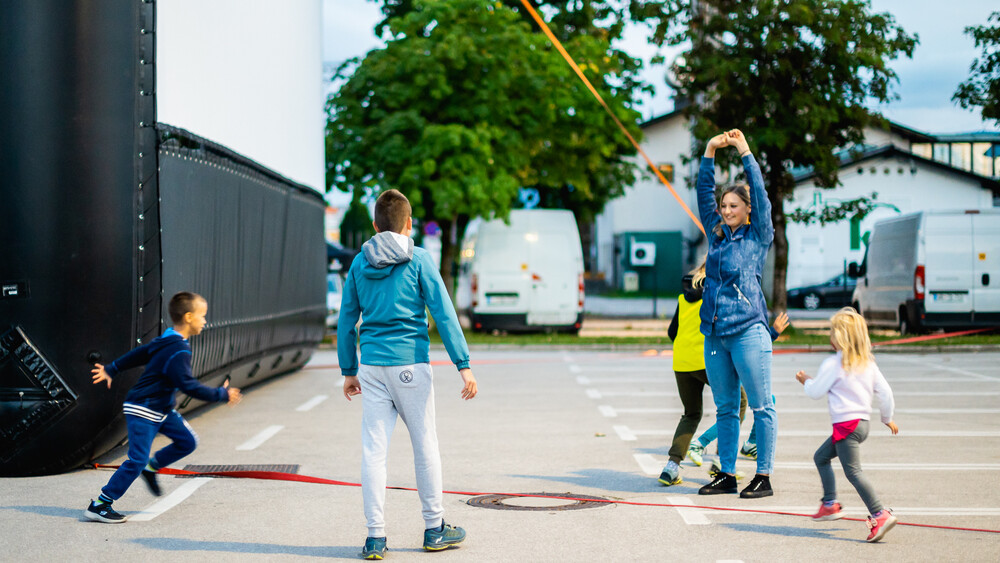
(279, 476)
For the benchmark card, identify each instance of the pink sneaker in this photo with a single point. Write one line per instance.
(828, 513)
(880, 524)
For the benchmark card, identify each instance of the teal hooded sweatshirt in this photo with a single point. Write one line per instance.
(390, 289)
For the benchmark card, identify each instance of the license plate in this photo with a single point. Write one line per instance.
(949, 297)
(501, 300)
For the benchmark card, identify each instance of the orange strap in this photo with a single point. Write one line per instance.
(572, 63)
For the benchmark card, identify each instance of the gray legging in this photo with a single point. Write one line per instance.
(850, 460)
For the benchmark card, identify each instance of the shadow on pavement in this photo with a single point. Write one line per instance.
(182, 544)
(615, 481)
(56, 511)
(791, 531)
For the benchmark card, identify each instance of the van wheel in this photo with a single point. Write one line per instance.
(857, 307)
(811, 301)
(905, 328)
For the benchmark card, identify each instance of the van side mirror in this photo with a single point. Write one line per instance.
(855, 271)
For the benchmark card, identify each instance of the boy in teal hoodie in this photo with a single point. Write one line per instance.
(390, 285)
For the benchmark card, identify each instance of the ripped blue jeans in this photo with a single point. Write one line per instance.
(742, 359)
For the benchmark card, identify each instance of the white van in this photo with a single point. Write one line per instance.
(527, 275)
(932, 269)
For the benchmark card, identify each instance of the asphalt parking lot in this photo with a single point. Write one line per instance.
(560, 422)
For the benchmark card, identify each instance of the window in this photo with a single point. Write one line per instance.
(667, 170)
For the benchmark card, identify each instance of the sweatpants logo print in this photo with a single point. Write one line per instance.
(406, 376)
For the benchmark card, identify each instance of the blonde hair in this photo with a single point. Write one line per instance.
(850, 332)
(698, 274)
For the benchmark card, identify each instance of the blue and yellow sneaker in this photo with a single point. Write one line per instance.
(374, 549)
(695, 451)
(671, 474)
(749, 449)
(443, 537)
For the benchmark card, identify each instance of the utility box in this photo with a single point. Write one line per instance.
(656, 258)
(631, 282)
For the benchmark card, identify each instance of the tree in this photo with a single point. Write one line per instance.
(466, 104)
(982, 89)
(795, 75)
(356, 226)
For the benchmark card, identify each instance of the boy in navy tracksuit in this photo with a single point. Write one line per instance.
(390, 285)
(149, 405)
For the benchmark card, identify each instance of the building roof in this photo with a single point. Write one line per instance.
(851, 158)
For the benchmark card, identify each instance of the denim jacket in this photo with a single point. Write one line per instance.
(733, 300)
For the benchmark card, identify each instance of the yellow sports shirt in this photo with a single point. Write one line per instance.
(689, 345)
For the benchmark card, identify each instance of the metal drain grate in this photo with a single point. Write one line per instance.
(279, 468)
(550, 504)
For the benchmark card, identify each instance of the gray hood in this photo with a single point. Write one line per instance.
(382, 251)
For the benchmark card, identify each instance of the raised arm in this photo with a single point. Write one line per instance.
(707, 208)
(760, 206)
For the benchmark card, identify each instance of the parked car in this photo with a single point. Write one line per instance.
(834, 292)
(931, 270)
(334, 294)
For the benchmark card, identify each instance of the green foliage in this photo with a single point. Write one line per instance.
(467, 103)
(982, 89)
(795, 75)
(356, 226)
(850, 209)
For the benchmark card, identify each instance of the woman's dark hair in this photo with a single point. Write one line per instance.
(742, 191)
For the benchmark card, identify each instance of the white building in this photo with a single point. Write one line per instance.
(909, 170)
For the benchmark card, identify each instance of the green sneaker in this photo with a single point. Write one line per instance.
(443, 538)
(671, 474)
(695, 451)
(374, 549)
(749, 449)
(716, 468)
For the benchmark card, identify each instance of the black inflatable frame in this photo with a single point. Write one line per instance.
(104, 214)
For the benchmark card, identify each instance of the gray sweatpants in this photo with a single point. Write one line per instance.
(409, 392)
(850, 460)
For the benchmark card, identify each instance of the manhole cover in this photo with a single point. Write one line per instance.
(279, 468)
(538, 501)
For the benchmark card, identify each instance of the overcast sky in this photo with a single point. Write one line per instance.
(926, 82)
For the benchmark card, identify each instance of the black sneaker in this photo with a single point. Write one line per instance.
(760, 486)
(150, 478)
(722, 484)
(102, 512)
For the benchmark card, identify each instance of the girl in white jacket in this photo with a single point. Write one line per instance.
(848, 380)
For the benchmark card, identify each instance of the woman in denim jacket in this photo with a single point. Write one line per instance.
(734, 314)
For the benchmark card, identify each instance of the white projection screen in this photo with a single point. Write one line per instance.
(247, 74)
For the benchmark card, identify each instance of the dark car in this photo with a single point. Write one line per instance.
(834, 292)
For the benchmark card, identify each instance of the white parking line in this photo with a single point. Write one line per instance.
(691, 516)
(790, 410)
(925, 363)
(312, 403)
(624, 433)
(648, 464)
(634, 434)
(898, 511)
(582, 380)
(573, 368)
(898, 466)
(260, 438)
(169, 501)
(594, 393)
(607, 411)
